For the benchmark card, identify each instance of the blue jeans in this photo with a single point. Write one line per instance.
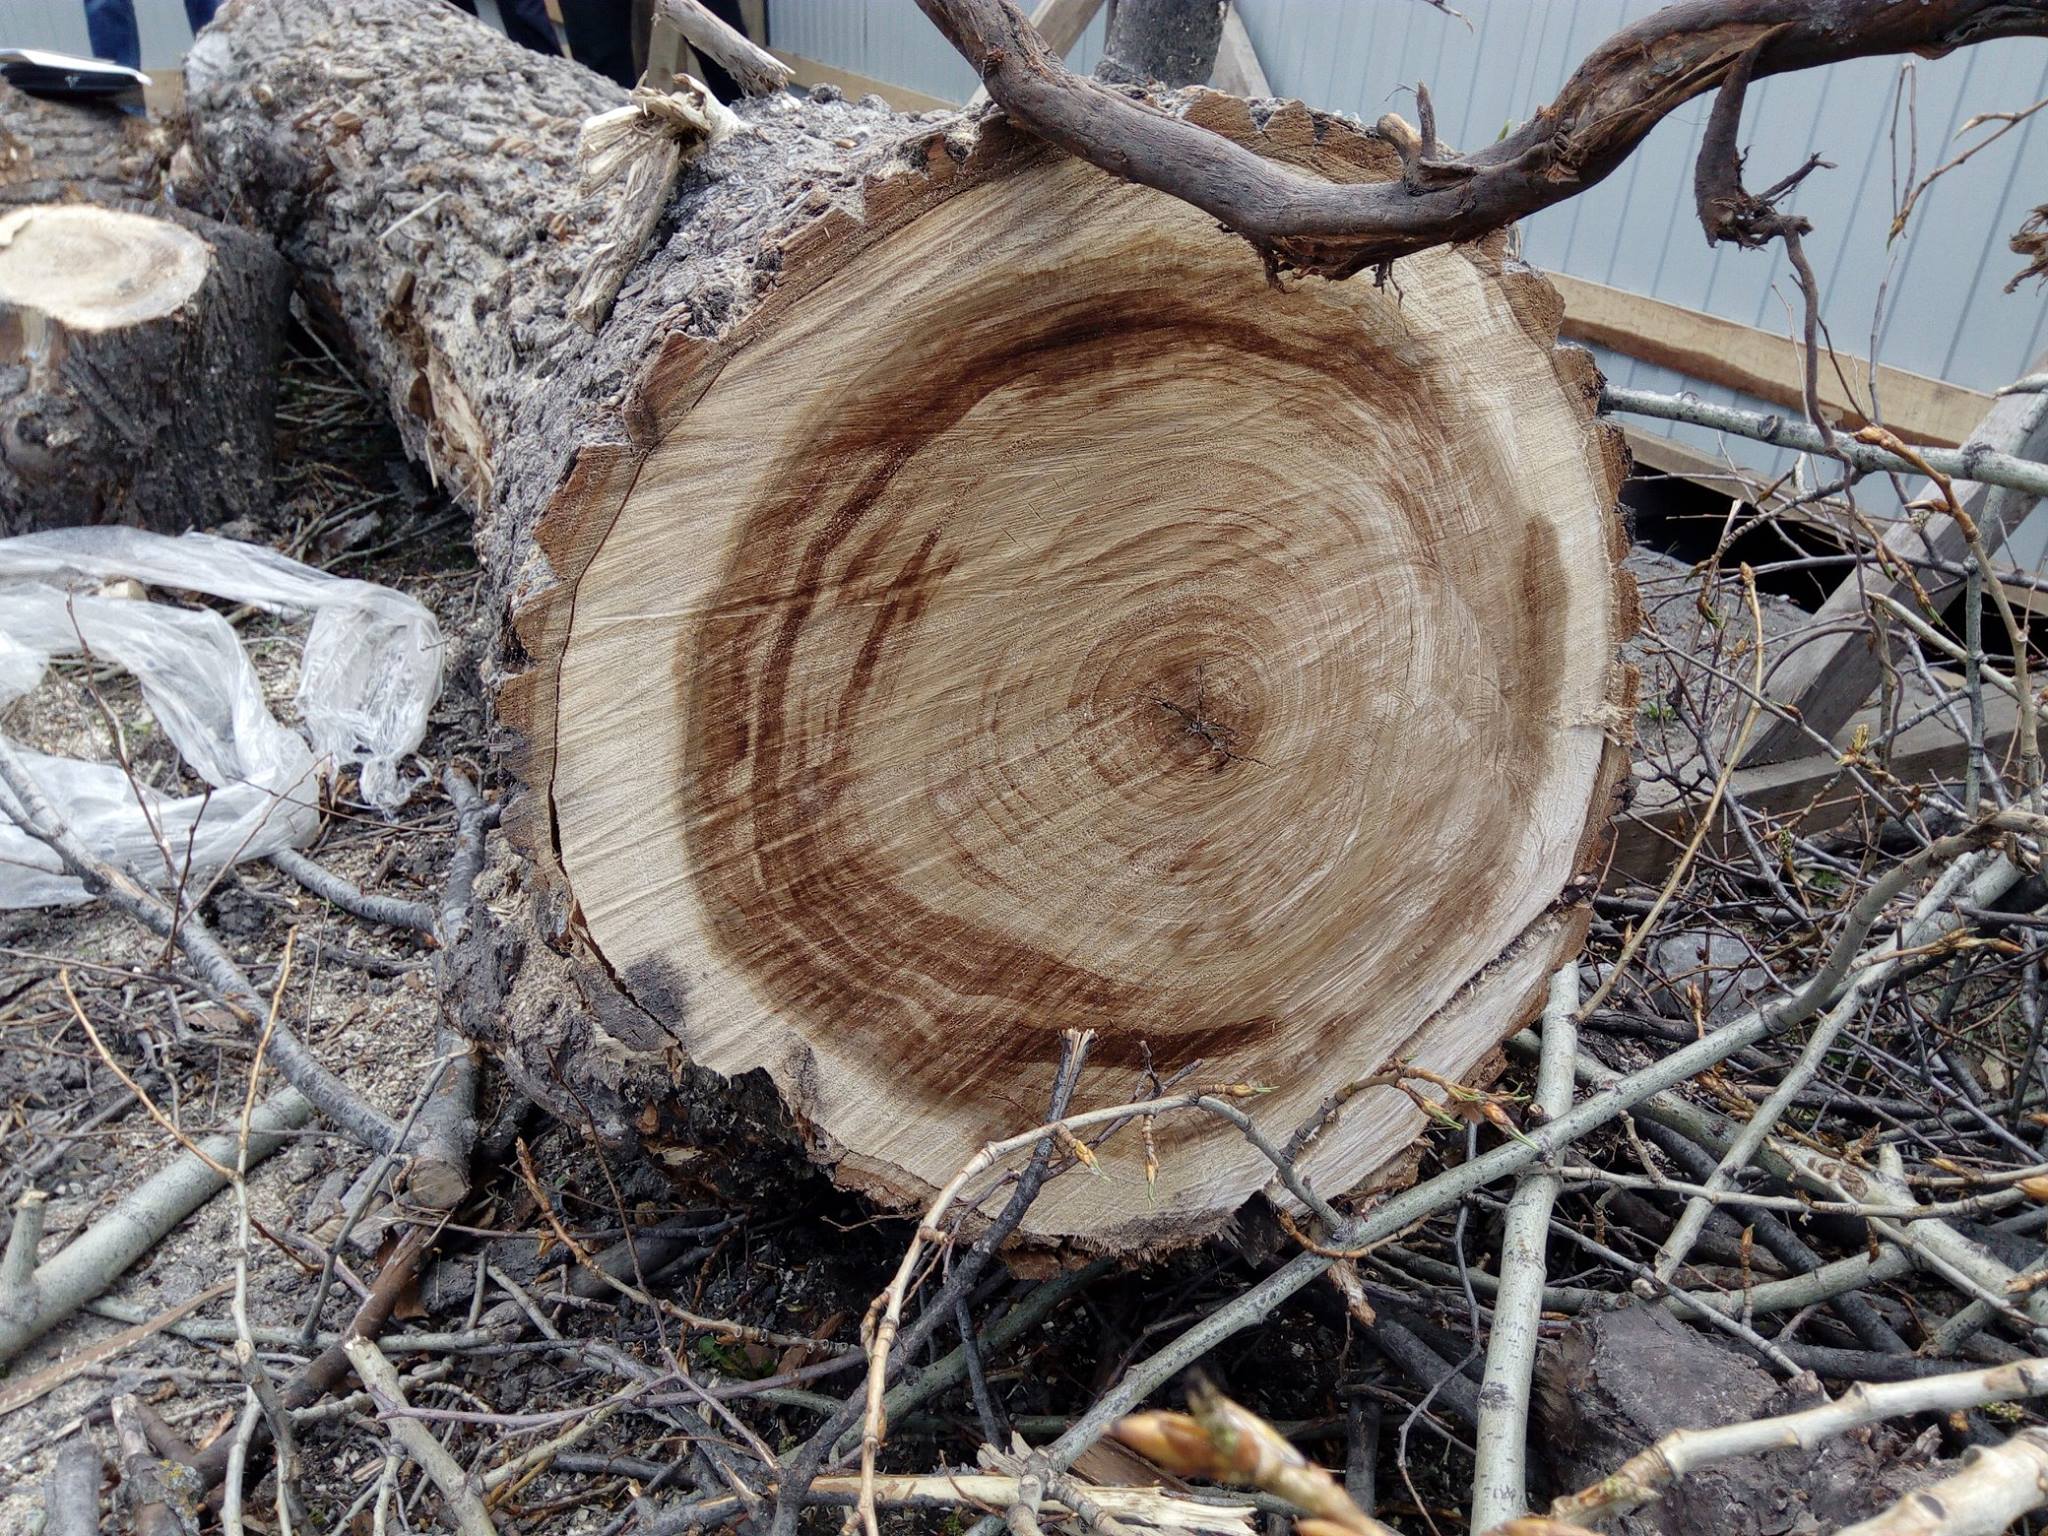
(111, 26)
(526, 23)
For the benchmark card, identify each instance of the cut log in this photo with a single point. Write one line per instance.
(138, 367)
(60, 151)
(956, 598)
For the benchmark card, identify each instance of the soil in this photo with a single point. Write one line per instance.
(349, 503)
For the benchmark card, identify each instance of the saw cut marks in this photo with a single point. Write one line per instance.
(1081, 632)
(97, 269)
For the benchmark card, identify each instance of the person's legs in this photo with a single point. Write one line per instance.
(526, 23)
(111, 26)
(601, 37)
(200, 12)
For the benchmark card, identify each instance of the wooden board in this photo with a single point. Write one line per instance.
(1761, 363)
(1815, 792)
(1238, 70)
(1828, 680)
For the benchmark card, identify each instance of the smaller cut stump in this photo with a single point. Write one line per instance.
(138, 367)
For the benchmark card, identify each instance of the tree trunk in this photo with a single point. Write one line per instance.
(956, 598)
(1173, 42)
(59, 151)
(138, 367)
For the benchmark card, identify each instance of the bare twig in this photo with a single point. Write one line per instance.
(94, 1259)
(1499, 1481)
(1984, 466)
(1996, 1486)
(392, 911)
(1827, 985)
(375, 1372)
(1645, 1476)
(301, 1068)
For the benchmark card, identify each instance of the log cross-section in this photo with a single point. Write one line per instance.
(995, 608)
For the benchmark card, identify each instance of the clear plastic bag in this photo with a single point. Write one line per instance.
(370, 672)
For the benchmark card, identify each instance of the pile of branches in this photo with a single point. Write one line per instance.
(1786, 1122)
(1763, 1193)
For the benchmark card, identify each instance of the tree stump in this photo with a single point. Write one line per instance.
(138, 367)
(957, 598)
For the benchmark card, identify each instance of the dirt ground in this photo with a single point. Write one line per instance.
(348, 503)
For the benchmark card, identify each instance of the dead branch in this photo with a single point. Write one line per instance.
(96, 1258)
(143, 1475)
(331, 1366)
(1644, 1477)
(1983, 465)
(1996, 1486)
(71, 1497)
(644, 145)
(376, 1373)
(444, 1136)
(1499, 1481)
(1624, 88)
(1730, 212)
(1830, 984)
(393, 911)
(25, 804)
(758, 72)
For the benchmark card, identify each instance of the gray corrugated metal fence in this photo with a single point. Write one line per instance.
(1934, 297)
(1931, 301)
(60, 25)
(890, 41)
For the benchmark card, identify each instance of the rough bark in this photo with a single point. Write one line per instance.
(1171, 41)
(955, 598)
(56, 151)
(138, 366)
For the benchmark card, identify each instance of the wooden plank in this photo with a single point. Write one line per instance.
(754, 20)
(1060, 23)
(1656, 827)
(809, 72)
(1761, 363)
(1668, 456)
(1827, 680)
(1238, 70)
(164, 96)
(668, 55)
